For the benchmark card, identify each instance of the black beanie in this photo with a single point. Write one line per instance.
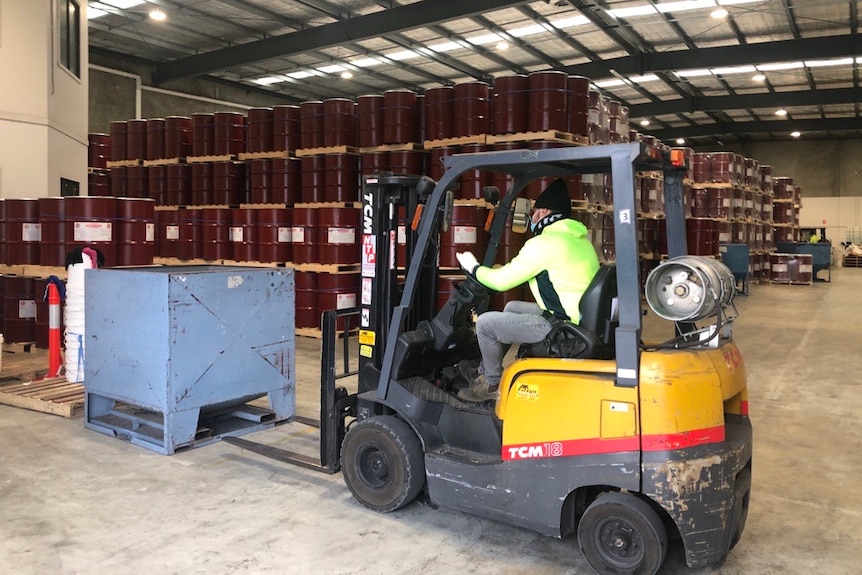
(556, 198)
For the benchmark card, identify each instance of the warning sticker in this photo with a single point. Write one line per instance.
(369, 255)
(366, 350)
(367, 337)
(528, 392)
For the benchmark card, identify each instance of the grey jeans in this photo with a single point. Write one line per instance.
(519, 322)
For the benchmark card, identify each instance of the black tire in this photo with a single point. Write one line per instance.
(620, 534)
(382, 463)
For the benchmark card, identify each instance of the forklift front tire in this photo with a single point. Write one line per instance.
(621, 534)
(382, 463)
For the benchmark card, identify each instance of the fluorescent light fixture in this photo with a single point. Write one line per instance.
(609, 83)
(569, 22)
(527, 30)
(402, 55)
(94, 13)
(300, 75)
(123, 4)
(781, 112)
(693, 73)
(365, 62)
(758, 78)
(727, 70)
(719, 14)
(484, 39)
(733, 2)
(445, 47)
(268, 80)
(331, 69)
(795, 134)
(158, 15)
(644, 10)
(825, 63)
(347, 74)
(780, 66)
(644, 78)
(685, 5)
(502, 45)
(680, 141)
(644, 122)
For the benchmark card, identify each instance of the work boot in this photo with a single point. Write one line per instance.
(480, 390)
(469, 369)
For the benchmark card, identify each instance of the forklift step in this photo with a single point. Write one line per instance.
(427, 391)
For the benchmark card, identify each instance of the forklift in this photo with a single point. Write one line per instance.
(624, 443)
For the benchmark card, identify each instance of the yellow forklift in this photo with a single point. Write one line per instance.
(622, 442)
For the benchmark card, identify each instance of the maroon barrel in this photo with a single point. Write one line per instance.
(243, 234)
(137, 185)
(157, 179)
(578, 104)
(259, 181)
(466, 232)
(136, 231)
(738, 233)
(400, 117)
(99, 183)
(473, 181)
(274, 234)
(439, 112)
(118, 131)
(307, 312)
(783, 188)
(259, 136)
(370, 120)
(652, 195)
(701, 168)
(52, 217)
(23, 231)
(337, 291)
(167, 233)
(338, 239)
(701, 237)
(765, 178)
(91, 222)
(286, 128)
(647, 230)
(228, 183)
(341, 178)
(178, 136)
(305, 235)
(720, 202)
(766, 208)
(155, 139)
(136, 139)
(201, 184)
(286, 180)
(780, 267)
(189, 245)
(725, 232)
(782, 213)
(313, 182)
(373, 163)
(203, 134)
(698, 202)
(339, 122)
(215, 233)
(407, 163)
(178, 184)
(19, 309)
(547, 100)
(420, 118)
(737, 203)
(471, 109)
(228, 133)
(723, 168)
(510, 104)
(98, 150)
(3, 250)
(435, 160)
(311, 124)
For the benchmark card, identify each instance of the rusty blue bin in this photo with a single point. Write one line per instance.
(174, 355)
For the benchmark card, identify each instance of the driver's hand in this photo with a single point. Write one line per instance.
(468, 261)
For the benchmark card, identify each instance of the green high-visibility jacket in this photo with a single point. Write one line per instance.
(558, 264)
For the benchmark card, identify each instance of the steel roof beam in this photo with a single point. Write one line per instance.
(774, 126)
(382, 23)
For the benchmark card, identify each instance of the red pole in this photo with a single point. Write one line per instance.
(54, 360)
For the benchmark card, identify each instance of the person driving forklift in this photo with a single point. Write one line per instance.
(558, 263)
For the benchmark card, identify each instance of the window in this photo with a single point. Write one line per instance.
(70, 35)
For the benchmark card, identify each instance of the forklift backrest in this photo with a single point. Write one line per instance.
(598, 308)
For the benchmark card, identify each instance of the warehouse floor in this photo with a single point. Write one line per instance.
(77, 502)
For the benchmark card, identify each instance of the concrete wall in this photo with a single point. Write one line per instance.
(43, 112)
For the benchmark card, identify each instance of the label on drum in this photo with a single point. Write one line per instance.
(724, 237)
(31, 232)
(341, 235)
(402, 235)
(93, 232)
(172, 232)
(151, 232)
(345, 300)
(237, 233)
(27, 309)
(285, 235)
(725, 202)
(464, 235)
(298, 235)
(806, 269)
(593, 116)
(780, 268)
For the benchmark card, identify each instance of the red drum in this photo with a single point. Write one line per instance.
(305, 235)
(203, 134)
(155, 139)
(98, 150)
(370, 120)
(259, 135)
(313, 178)
(243, 234)
(339, 122)
(274, 235)
(578, 93)
(311, 124)
(439, 112)
(472, 108)
(136, 139)
(401, 115)
(510, 104)
(215, 233)
(338, 238)
(52, 217)
(136, 231)
(286, 128)
(178, 185)
(229, 133)
(119, 131)
(90, 222)
(178, 136)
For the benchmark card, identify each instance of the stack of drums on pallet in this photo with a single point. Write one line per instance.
(19, 309)
(136, 139)
(228, 133)
(203, 134)
(286, 128)
(401, 117)
(510, 99)
(439, 113)
(339, 122)
(369, 120)
(472, 109)
(52, 217)
(259, 137)
(22, 230)
(178, 137)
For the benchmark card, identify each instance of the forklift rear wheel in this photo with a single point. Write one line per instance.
(382, 463)
(622, 534)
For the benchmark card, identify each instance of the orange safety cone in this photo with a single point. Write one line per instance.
(54, 359)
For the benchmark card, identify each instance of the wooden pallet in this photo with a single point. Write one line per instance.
(214, 158)
(55, 396)
(406, 147)
(92, 170)
(853, 261)
(276, 155)
(303, 152)
(457, 141)
(165, 162)
(544, 135)
(123, 163)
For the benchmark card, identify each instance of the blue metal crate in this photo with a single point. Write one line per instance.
(174, 354)
(736, 258)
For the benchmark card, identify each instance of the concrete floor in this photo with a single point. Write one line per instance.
(73, 501)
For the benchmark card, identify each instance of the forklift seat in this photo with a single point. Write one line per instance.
(593, 337)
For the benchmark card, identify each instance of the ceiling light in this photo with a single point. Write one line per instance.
(365, 62)
(502, 46)
(158, 15)
(569, 22)
(781, 112)
(718, 14)
(300, 75)
(780, 66)
(347, 74)
(445, 46)
(644, 10)
(609, 83)
(645, 78)
(758, 78)
(795, 134)
(693, 73)
(484, 39)
(527, 30)
(680, 141)
(747, 69)
(266, 81)
(644, 122)
(331, 69)
(402, 55)
(684, 5)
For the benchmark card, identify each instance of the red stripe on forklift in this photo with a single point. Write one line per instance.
(665, 442)
(743, 408)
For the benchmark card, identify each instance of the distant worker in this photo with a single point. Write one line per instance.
(558, 262)
(813, 239)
